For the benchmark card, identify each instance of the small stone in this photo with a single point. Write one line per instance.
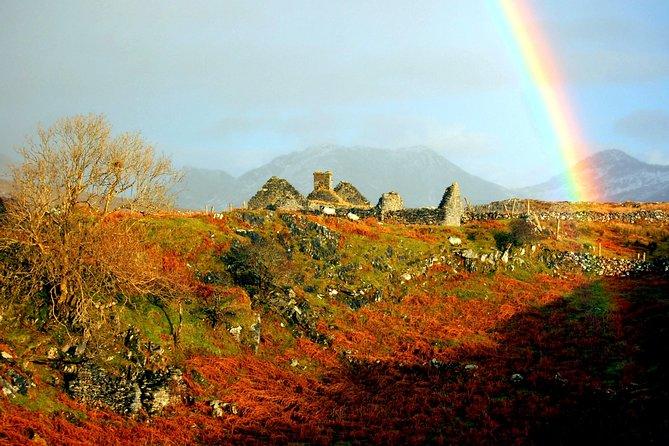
(230, 408)
(455, 241)
(329, 211)
(216, 409)
(471, 367)
(236, 332)
(406, 277)
(352, 216)
(6, 355)
(468, 254)
(505, 257)
(52, 353)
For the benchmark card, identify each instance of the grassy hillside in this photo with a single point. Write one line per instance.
(295, 328)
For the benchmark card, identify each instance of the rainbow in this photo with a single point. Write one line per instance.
(546, 80)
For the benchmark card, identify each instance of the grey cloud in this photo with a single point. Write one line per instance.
(616, 66)
(648, 126)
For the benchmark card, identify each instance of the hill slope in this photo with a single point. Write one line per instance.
(620, 176)
(419, 174)
(205, 187)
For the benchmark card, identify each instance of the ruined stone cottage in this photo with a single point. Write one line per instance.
(344, 195)
(350, 194)
(278, 193)
(451, 204)
(323, 194)
(390, 201)
(346, 200)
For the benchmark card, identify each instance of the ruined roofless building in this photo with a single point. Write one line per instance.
(350, 194)
(451, 204)
(323, 192)
(278, 193)
(390, 201)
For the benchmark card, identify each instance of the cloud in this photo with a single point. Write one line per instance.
(647, 126)
(609, 41)
(615, 66)
(658, 157)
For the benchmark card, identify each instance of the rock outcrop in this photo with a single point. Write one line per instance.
(145, 384)
(278, 193)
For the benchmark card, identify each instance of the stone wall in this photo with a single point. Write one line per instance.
(594, 216)
(390, 201)
(419, 216)
(351, 194)
(451, 204)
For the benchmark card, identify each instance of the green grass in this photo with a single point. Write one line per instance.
(180, 234)
(592, 300)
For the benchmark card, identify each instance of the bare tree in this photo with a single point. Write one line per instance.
(66, 249)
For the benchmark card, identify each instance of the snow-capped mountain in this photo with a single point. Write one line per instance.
(619, 177)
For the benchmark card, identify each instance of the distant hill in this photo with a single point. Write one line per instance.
(419, 174)
(620, 176)
(204, 187)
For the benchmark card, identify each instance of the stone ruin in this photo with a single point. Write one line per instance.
(350, 194)
(278, 193)
(323, 192)
(346, 200)
(390, 201)
(322, 180)
(451, 203)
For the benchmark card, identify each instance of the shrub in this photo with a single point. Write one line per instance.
(57, 230)
(520, 233)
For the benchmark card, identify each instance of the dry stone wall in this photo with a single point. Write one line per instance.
(593, 216)
(390, 201)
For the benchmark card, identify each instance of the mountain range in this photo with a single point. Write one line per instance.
(420, 175)
(618, 176)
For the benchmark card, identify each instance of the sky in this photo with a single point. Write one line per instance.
(230, 85)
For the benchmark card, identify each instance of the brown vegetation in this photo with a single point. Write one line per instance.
(63, 251)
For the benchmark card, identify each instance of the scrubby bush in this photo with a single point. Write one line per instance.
(246, 265)
(63, 248)
(520, 233)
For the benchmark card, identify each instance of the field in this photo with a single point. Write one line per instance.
(368, 332)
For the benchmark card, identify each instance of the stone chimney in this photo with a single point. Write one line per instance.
(322, 180)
